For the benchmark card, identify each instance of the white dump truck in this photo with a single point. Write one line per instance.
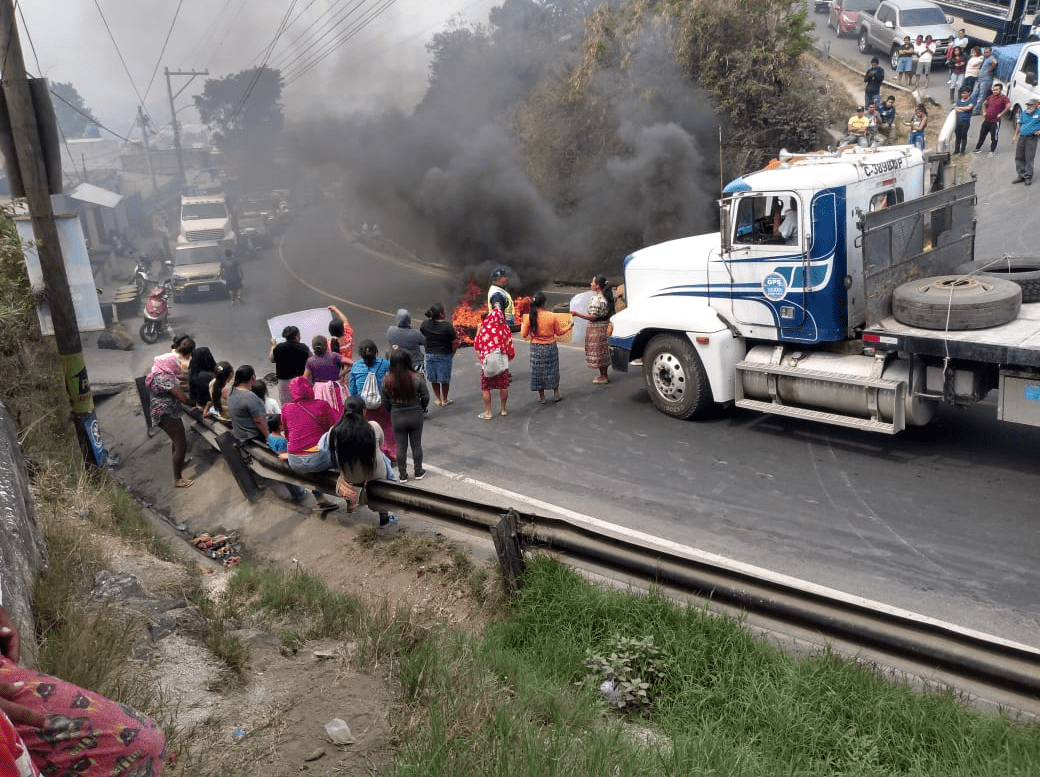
(841, 288)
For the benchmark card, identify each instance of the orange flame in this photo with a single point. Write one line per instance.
(471, 308)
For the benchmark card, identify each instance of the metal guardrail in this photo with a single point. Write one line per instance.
(946, 652)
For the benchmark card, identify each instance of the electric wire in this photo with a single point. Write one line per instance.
(259, 71)
(158, 60)
(314, 32)
(336, 44)
(319, 35)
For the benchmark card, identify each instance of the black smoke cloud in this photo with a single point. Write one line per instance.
(449, 179)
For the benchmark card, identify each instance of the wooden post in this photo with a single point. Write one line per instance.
(506, 535)
(30, 155)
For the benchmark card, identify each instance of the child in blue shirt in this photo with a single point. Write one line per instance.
(276, 442)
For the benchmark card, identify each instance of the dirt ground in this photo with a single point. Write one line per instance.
(273, 724)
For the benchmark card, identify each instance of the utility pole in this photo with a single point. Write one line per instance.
(30, 155)
(143, 120)
(173, 112)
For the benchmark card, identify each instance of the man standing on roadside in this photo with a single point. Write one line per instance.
(497, 295)
(994, 107)
(873, 79)
(906, 61)
(1026, 131)
(987, 72)
(963, 109)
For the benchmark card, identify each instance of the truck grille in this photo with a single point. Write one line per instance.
(200, 235)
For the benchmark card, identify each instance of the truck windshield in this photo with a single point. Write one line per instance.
(923, 17)
(193, 211)
(197, 255)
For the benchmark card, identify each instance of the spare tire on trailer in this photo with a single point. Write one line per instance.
(1023, 270)
(956, 302)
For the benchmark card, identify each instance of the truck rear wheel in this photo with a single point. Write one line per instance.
(675, 377)
(1023, 270)
(864, 42)
(956, 302)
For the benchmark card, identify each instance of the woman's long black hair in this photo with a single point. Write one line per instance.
(353, 439)
(608, 294)
(369, 352)
(221, 375)
(537, 303)
(200, 372)
(399, 382)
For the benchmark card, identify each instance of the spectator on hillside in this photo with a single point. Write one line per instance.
(289, 359)
(925, 51)
(305, 421)
(441, 343)
(324, 365)
(887, 115)
(200, 373)
(987, 72)
(993, 109)
(858, 128)
(248, 419)
(873, 79)
(972, 68)
(163, 381)
(905, 63)
(963, 109)
(71, 730)
(342, 334)
(402, 336)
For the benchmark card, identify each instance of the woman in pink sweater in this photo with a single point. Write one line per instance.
(304, 422)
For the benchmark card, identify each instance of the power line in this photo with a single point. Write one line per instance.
(259, 71)
(158, 59)
(318, 35)
(307, 67)
(301, 38)
(119, 53)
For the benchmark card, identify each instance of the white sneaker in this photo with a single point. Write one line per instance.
(992, 153)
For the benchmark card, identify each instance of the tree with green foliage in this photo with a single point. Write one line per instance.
(244, 110)
(74, 117)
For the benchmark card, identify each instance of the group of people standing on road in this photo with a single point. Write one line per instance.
(333, 410)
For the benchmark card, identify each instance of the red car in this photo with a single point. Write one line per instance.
(844, 14)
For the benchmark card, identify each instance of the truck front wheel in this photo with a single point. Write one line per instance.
(675, 377)
(864, 42)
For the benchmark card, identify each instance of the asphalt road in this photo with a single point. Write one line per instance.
(939, 520)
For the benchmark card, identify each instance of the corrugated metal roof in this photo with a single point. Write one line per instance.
(95, 195)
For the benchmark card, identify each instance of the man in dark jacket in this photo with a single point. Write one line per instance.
(873, 78)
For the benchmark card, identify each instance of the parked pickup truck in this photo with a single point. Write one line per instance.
(1018, 66)
(885, 29)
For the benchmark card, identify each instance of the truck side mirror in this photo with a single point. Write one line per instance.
(889, 24)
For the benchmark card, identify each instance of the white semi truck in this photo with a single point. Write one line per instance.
(841, 288)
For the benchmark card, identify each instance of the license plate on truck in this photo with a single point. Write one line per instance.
(203, 287)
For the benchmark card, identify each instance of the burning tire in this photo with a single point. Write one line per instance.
(956, 302)
(1023, 270)
(675, 377)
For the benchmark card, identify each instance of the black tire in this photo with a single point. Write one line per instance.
(150, 332)
(675, 377)
(956, 302)
(864, 44)
(1023, 270)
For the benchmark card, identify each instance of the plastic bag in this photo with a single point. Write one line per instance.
(370, 392)
(495, 363)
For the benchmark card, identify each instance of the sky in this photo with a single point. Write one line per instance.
(115, 56)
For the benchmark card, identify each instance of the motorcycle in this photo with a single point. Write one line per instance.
(142, 283)
(157, 313)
